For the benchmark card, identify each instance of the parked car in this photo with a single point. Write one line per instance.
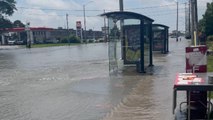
(19, 42)
(11, 42)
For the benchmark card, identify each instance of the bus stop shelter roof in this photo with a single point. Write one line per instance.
(121, 15)
(160, 25)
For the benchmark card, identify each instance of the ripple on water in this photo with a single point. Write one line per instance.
(4, 83)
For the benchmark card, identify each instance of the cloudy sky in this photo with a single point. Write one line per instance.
(52, 13)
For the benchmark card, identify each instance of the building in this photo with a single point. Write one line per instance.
(38, 35)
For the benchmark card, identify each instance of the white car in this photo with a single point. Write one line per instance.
(11, 42)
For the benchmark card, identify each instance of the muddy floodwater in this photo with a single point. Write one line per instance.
(73, 83)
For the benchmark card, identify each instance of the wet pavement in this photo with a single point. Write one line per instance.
(73, 83)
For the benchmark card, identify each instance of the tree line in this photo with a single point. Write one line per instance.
(205, 24)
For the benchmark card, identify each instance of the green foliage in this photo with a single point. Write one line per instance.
(210, 64)
(70, 39)
(5, 23)
(210, 38)
(18, 23)
(74, 39)
(90, 41)
(201, 25)
(7, 7)
(64, 40)
(206, 23)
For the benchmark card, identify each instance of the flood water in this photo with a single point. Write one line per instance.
(73, 83)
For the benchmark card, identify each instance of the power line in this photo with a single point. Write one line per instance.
(94, 10)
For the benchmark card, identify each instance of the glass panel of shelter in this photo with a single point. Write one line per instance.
(125, 42)
(158, 39)
(112, 48)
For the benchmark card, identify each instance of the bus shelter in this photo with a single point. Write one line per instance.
(130, 40)
(160, 38)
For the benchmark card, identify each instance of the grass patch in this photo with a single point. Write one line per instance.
(52, 45)
(210, 63)
(210, 45)
(210, 58)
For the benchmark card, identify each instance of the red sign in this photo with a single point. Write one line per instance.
(196, 59)
(78, 24)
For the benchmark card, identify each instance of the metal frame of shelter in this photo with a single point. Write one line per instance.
(160, 38)
(130, 40)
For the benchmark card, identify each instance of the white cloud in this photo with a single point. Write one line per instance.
(166, 14)
(56, 4)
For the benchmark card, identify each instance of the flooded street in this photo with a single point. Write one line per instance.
(73, 83)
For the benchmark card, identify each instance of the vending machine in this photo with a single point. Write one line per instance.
(196, 59)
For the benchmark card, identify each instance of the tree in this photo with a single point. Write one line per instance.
(206, 24)
(201, 25)
(18, 23)
(7, 9)
(5, 23)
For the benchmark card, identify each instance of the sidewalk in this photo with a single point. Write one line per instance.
(151, 98)
(7, 47)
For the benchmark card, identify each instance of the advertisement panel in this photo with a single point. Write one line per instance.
(131, 44)
(196, 59)
(158, 40)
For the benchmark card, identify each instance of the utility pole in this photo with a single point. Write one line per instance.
(67, 19)
(84, 23)
(189, 20)
(177, 24)
(186, 24)
(27, 29)
(105, 30)
(121, 5)
(194, 22)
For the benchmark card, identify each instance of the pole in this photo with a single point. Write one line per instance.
(185, 19)
(28, 45)
(67, 27)
(105, 36)
(84, 23)
(121, 5)
(192, 21)
(196, 24)
(177, 24)
(67, 21)
(189, 19)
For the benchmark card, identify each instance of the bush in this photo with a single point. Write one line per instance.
(74, 39)
(64, 40)
(90, 41)
(70, 39)
(101, 40)
(210, 38)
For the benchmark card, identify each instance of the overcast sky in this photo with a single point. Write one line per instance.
(52, 13)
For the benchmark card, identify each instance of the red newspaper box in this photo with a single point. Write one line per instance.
(196, 59)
